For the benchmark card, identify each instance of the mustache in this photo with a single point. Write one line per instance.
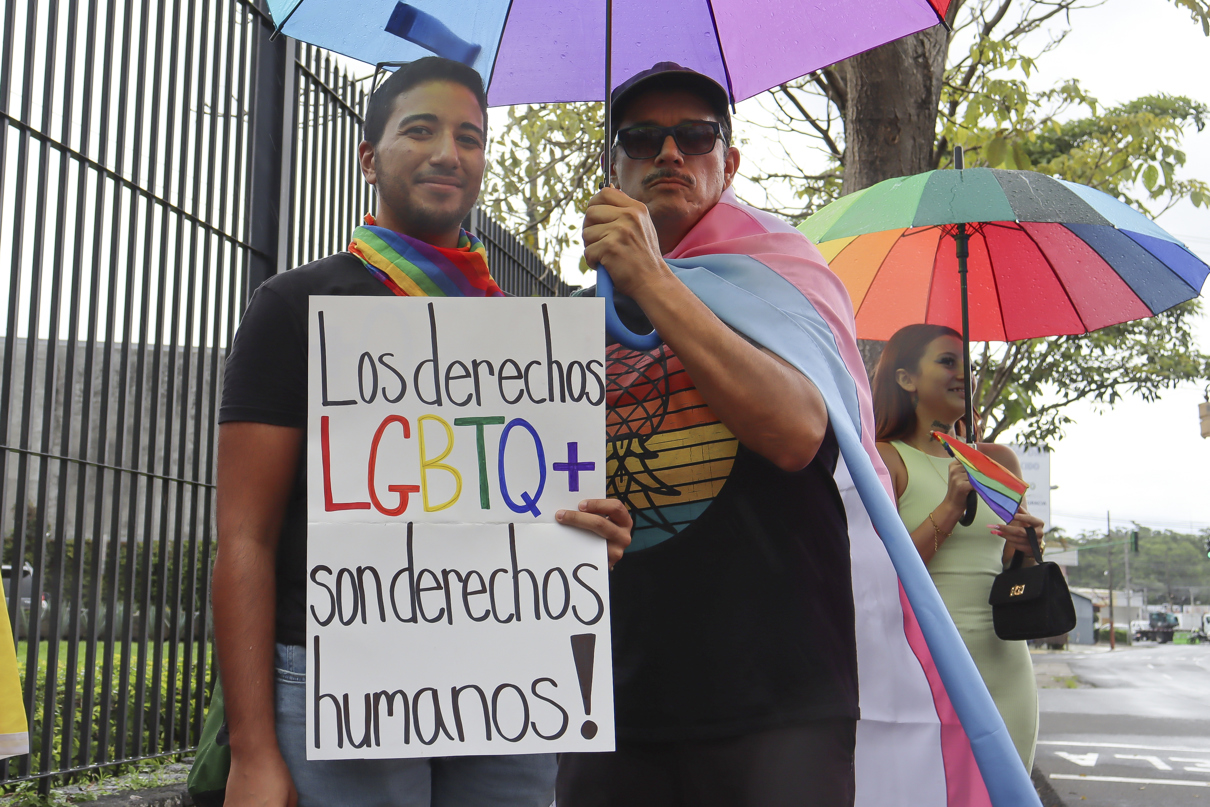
(669, 173)
(438, 173)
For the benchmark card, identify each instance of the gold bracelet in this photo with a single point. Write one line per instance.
(936, 535)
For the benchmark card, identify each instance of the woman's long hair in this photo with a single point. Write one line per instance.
(894, 409)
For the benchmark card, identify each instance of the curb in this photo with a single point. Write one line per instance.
(1045, 792)
(172, 796)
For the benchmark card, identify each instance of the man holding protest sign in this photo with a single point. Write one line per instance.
(425, 134)
(734, 653)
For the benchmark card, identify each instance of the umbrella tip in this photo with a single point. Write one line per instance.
(959, 163)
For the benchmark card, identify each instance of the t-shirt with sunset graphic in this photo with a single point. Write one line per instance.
(668, 455)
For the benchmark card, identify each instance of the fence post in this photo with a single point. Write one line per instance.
(270, 149)
(289, 134)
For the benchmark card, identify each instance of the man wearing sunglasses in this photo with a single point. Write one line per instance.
(735, 663)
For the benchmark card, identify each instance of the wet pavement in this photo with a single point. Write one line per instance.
(1129, 728)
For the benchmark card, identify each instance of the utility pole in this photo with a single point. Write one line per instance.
(1112, 625)
(1129, 632)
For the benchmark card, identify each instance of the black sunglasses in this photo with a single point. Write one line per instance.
(645, 141)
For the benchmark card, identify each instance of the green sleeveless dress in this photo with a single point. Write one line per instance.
(962, 571)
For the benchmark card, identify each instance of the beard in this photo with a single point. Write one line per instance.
(422, 216)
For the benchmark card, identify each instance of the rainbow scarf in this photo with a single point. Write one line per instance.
(410, 267)
(994, 483)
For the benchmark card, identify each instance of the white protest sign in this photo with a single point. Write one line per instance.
(448, 613)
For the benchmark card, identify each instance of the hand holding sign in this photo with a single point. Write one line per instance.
(608, 518)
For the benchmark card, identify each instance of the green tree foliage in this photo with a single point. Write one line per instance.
(1028, 384)
(1168, 564)
(542, 169)
(1129, 151)
(134, 575)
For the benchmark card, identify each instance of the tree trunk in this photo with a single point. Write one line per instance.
(891, 99)
(871, 351)
(890, 118)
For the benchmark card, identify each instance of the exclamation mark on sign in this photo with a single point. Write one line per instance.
(583, 651)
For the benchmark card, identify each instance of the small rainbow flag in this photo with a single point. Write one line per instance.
(994, 483)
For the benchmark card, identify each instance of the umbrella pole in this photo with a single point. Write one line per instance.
(607, 160)
(961, 243)
(613, 325)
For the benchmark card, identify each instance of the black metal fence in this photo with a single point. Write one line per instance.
(147, 152)
(515, 267)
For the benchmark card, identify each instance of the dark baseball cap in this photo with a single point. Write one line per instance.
(670, 76)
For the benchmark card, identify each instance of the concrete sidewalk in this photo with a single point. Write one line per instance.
(171, 796)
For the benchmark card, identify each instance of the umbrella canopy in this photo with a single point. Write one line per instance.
(1047, 257)
(541, 51)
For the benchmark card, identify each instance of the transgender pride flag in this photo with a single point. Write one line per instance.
(929, 733)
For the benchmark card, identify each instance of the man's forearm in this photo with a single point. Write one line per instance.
(244, 597)
(256, 468)
(769, 406)
(244, 609)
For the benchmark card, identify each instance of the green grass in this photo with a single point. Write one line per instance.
(121, 695)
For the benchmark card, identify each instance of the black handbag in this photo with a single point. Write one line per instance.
(1031, 602)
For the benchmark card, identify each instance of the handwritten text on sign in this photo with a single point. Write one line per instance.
(448, 614)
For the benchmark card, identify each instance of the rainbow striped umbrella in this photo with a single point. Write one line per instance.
(1047, 257)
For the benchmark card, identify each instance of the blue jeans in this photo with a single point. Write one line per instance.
(496, 781)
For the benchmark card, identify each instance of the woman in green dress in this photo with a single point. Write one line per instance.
(918, 389)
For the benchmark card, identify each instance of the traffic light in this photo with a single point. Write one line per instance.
(1134, 542)
(1208, 547)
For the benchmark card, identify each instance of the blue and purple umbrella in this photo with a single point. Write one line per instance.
(551, 51)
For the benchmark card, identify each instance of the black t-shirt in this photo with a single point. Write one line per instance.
(265, 381)
(743, 620)
(736, 614)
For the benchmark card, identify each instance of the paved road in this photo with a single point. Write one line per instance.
(1138, 735)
